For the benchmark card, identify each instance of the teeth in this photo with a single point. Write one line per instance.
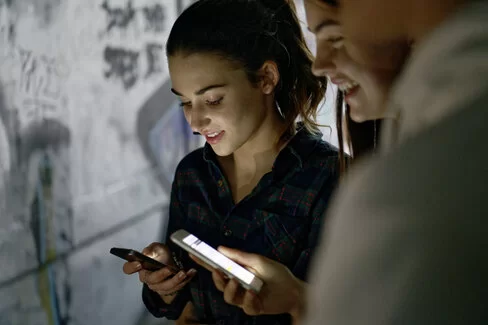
(346, 87)
(212, 135)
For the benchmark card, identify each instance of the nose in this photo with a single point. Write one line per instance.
(324, 63)
(198, 118)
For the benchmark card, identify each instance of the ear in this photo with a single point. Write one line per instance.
(269, 77)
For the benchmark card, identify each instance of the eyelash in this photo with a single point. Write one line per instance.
(215, 102)
(211, 103)
(335, 39)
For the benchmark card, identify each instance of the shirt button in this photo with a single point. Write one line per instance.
(228, 233)
(220, 183)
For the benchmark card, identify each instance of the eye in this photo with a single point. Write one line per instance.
(215, 102)
(185, 104)
(335, 39)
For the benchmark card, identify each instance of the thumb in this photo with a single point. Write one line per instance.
(250, 260)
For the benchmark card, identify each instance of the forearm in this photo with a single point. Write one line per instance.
(188, 315)
(300, 294)
(168, 299)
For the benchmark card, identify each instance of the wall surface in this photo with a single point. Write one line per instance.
(89, 140)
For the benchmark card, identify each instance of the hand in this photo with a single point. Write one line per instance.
(163, 281)
(281, 293)
(188, 316)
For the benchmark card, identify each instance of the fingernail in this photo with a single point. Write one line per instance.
(138, 267)
(181, 275)
(191, 272)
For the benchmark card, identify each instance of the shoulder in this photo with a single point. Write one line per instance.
(193, 161)
(323, 155)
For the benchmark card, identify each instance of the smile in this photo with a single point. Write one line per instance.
(214, 137)
(347, 87)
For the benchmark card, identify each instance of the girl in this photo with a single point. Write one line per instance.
(365, 93)
(262, 182)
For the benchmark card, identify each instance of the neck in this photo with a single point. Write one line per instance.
(258, 154)
(429, 15)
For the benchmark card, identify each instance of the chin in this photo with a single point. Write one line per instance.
(221, 151)
(358, 115)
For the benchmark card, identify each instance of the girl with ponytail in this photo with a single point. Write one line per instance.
(263, 180)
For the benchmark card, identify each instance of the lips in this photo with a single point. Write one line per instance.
(214, 137)
(348, 87)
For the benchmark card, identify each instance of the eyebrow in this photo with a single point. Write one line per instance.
(325, 23)
(201, 91)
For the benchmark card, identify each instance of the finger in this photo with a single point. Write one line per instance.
(131, 267)
(159, 275)
(252, 261)
(143, 275)
(219, 280)
(252, 304)
(175, 283)
(154, 250)
(201, 263)
(157, 288)
(232, 295)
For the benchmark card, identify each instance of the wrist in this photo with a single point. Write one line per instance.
(168, 299)
(299, 298)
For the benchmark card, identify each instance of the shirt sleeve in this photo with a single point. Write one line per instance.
(406, 239)
(302, 265)
(153, 302)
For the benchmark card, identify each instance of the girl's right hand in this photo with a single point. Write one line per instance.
(163, 281)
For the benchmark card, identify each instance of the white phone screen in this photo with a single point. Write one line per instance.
(219, 259)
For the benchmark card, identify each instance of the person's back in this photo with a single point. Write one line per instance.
(412, 248)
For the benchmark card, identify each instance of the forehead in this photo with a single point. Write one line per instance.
(191, 72)
(318, 11)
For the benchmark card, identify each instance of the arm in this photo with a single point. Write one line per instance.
(301, 267)
(188, 315)
(170, 307)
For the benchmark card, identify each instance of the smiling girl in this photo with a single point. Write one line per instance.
(242, 71)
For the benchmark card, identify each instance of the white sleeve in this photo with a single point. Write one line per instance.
(407, 240)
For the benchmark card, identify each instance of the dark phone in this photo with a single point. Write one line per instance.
(146, 262)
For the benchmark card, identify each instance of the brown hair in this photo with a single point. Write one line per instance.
(251, 32)
(361, 138)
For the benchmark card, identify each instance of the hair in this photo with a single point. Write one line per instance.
(361, 138)
(251, 32)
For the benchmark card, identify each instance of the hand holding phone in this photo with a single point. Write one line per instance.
(217, 260)
(146, 262)
(166, 280)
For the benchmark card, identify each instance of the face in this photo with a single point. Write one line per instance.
(376, 31)
(218, 100)
(365, 89)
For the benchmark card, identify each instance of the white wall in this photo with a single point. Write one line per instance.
(84, 88)
(89, 139)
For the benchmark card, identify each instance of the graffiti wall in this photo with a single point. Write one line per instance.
(90, 136)
(89, 140)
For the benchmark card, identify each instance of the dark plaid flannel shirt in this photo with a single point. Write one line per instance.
(280, 219)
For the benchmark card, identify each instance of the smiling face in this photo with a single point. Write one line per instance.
(218, 100)
(365, 89)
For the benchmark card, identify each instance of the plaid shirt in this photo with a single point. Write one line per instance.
(281, 219)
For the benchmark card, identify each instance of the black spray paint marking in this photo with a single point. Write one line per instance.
(40, 75)
(154, 53)
(119, 17)
(154, 17)
(124, 64)
(123, 17)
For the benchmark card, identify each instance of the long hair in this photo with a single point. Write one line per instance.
(360, 138)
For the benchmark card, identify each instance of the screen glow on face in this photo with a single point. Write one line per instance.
(219, 259)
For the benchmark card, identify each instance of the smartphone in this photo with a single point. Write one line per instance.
(217, 260)
(147, 263)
